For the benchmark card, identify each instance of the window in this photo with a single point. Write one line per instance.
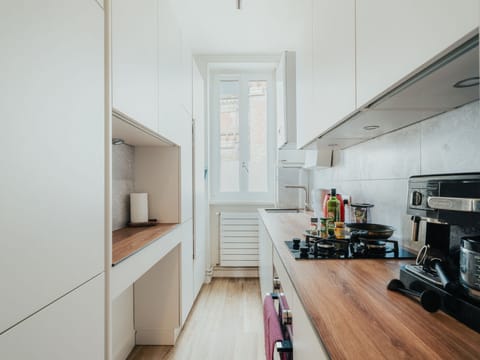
(242, 145)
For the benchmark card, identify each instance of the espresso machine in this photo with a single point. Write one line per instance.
(445, 212)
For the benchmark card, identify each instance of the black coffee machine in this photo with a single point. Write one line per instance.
(444, 209)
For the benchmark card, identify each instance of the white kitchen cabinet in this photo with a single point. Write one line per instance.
(135, 60)
(52, 138)
(306, 343)
(265, 268)
(285, 76)
(170, 75)
(184, 123)
(200, 182)
(187, 287)
(333, 63)
(70, 328)
(393, 38)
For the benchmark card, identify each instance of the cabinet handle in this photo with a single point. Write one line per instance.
(276, 283)
(287, 317)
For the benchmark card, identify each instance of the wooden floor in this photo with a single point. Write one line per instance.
(225, 323)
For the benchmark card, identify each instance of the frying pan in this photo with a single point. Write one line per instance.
(371, 231)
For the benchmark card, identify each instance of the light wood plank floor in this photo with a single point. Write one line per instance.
(225, 323)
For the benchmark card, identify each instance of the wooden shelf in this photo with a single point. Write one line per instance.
(127, 241)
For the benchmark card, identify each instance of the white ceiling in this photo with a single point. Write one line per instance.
(260, 27)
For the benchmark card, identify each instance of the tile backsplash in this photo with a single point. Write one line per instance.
(122, 184)
(377, 171)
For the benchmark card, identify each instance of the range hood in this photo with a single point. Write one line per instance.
(448, 82)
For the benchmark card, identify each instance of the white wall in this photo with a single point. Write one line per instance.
(123, 183)
(377, 171)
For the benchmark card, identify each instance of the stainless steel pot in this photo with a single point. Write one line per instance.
(371, 231)
(470, 265)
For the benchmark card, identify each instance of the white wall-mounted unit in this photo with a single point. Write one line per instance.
(286, 101)
(238, 239)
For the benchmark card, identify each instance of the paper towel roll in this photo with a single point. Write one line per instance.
(138, 207)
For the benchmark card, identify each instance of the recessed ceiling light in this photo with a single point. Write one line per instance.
(371, 127)
(117, 141)
(469, 82)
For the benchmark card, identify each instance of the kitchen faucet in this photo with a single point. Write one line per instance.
(307, 198)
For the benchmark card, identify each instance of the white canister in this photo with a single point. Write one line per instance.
(138, 208)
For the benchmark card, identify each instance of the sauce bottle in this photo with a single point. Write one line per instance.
(333, 207)
(342, 206)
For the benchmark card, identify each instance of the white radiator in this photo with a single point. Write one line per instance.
(238, 239)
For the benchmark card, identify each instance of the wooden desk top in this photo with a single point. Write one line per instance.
(354, 314)
(129, 240)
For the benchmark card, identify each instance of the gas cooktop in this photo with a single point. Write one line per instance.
(331, 248)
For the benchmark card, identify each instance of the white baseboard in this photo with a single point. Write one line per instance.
(125, 348)
(235, 272)
(156, 336)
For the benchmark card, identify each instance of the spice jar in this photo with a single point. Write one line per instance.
(340, 230)
(323, 227)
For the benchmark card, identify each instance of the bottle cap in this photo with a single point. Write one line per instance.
(333, 192)
(313, 219)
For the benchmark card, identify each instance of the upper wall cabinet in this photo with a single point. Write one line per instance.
(134, 60)
(396, 37)
(170, 78)
(333, 62)
(285, 75)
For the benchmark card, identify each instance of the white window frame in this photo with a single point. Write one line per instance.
(242, 196)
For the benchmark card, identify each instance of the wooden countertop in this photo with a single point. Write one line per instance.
(355, 316)
(129, 240)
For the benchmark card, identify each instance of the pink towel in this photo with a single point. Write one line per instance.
(273, 332)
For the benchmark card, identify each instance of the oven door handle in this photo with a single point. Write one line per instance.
(454, 204)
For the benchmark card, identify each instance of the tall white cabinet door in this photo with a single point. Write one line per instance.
(333, 62)
(70, 328)
(184, 124)
(200, 182)
(52, 141)
(134, 60)
(170, 74)
(187, 287)
(396, 37)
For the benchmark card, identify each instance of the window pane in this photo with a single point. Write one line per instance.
(257, 117)
(229, 136)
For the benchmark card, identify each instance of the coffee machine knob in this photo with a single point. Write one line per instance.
(417, 198)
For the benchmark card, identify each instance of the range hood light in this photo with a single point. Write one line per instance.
(332, 145)
(469, 82)
(371, 127)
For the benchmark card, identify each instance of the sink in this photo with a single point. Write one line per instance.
(278, 210)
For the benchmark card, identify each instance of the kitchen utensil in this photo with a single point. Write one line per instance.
(470, 265)
(371, 231)
(360, 213)
(429, 299)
